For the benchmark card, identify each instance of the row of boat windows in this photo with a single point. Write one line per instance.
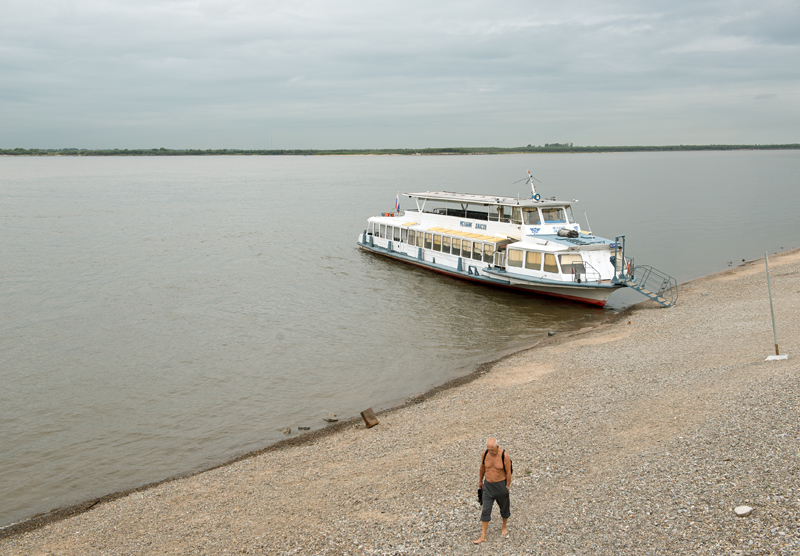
(466, 248)
(480, 251)
(532, 260)
(530, 216)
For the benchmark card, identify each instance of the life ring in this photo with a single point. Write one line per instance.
(537, 197)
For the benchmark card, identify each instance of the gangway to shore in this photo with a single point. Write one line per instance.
(654, 284)
(648, 281)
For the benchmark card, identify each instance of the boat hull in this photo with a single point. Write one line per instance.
(592, 294)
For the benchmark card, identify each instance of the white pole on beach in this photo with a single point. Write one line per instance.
(772, 310)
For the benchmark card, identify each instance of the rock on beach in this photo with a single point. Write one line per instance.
(627, 440)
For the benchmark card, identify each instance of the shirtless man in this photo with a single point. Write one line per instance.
(496, 486)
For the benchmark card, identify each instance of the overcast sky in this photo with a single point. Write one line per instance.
(410, 74)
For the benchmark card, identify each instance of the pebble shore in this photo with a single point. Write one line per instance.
(638, 437)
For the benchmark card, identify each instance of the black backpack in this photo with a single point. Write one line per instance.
(503, 459)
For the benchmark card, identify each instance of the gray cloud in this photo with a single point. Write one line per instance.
(208, 74)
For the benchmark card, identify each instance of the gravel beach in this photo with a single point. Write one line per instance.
(637, 437)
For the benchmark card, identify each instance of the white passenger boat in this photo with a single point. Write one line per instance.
(532, 245)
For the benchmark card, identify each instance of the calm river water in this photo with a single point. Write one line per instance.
(161, 315)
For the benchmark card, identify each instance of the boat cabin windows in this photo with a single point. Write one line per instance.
(570, 217)
(516, 215)
(533, 260)
(572, 264)
(382, 232)
(500, 213)
(456, 250)
(531, 216)
(550, 263)
(466, 248)
(463, 211)
(554, 215)
(514, 258)
(488, 253)
(443, 243)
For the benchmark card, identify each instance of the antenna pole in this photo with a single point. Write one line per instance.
(771, 310)
(530, 180)
(586, 216)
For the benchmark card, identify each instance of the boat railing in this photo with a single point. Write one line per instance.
(627, 268)
(582, 272)
(654, 283)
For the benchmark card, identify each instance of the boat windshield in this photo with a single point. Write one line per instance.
(532, 216)
(554, 215)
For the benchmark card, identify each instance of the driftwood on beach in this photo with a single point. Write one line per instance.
(642, 436)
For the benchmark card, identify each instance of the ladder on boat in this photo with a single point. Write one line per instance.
(648, 281)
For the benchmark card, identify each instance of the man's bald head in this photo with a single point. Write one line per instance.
(492, 446)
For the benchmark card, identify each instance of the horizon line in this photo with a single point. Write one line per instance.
(547, 147)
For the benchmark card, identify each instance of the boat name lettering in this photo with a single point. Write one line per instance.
(480, 226)
(465, 224)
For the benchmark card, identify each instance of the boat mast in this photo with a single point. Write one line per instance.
(535, 196)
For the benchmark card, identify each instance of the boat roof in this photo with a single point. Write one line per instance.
(584, 240)
(474, 199)
(469, 235)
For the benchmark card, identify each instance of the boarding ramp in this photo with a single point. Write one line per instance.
(652, 283)
(648, 281)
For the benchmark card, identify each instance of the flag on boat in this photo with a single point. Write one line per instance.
(397, 202)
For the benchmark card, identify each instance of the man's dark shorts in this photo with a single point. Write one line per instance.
(495, 492)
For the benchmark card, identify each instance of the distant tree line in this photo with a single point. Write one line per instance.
(547, 148)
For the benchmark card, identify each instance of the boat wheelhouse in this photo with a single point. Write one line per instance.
(533, 245)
